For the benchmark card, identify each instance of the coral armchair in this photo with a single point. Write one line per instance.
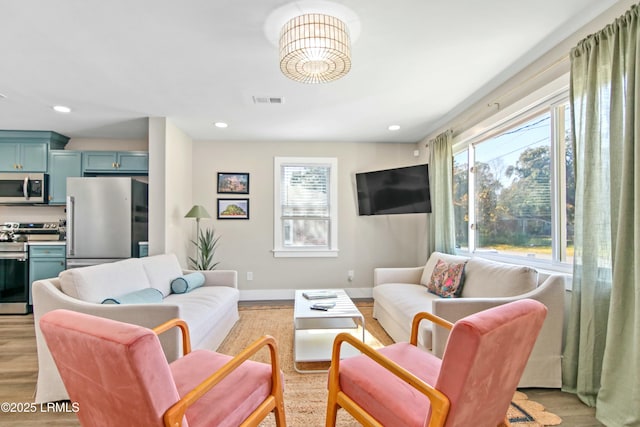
(118, 375)
(472, 385)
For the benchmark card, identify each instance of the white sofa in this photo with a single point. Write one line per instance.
(400, 293)
(210, 310)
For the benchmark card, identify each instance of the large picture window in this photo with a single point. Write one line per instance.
(305, 207)
(514, 189)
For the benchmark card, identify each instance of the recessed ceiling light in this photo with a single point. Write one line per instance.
(221, 125)
(61, 109)
(394, 127)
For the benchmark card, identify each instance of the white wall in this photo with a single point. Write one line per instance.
(364, 242)
(170, 189)
(178, 194)
(157, 155)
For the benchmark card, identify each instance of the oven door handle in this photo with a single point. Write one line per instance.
(25, 187)
(19, 256)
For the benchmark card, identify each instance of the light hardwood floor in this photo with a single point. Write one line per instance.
(19, 369)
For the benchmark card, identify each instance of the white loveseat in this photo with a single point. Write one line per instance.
(400, 293)
(210, 310)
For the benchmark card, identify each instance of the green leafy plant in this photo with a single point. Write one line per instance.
(206, 246)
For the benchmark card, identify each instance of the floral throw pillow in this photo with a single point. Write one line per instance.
(447, 279)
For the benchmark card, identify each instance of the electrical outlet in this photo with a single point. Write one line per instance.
(350, 275)
(249, 275)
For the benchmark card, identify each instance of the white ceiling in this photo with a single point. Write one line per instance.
(117, 62)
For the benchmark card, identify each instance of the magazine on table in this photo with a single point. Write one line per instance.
(319, 294)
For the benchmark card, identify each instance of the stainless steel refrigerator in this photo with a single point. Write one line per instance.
(106, 218)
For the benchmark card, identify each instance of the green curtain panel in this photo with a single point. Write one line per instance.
(441, 222)
(602, 355)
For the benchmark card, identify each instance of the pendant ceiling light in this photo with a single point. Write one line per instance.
(315, 48)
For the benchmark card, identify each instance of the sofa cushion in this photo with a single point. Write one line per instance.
(433, 260)
(402, 301)
(99, 282)
(485, 278)
(447, 279)
(142, 296)
(161, 270)
(203, 307)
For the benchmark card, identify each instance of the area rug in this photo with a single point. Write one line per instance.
(527, 413)
(305, 395)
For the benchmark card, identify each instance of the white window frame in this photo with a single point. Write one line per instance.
(279, 249)
(551, 96)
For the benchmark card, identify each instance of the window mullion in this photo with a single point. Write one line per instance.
(472, 199)
(560, 208)
(556, 249)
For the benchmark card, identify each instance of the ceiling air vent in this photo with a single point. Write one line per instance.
(268, 100)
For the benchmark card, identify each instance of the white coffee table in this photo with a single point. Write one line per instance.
(315, 330)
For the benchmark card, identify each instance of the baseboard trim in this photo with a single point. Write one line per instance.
(288, 294)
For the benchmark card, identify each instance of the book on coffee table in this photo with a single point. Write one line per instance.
(319, 294)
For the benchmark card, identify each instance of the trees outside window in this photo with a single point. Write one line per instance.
(514, 190)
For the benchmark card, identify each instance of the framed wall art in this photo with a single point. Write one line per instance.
(233, 183)
(233, 208)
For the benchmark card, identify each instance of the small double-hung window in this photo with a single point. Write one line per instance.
(306, 211)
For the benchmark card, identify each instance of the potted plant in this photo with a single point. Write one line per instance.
(205, 249)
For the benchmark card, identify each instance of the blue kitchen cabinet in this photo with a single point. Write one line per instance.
(115, 162)
(132, 161)
(99, 160)
(27, 151)
(62, 165)
(45, 261)
(9, 154)
(23, 157)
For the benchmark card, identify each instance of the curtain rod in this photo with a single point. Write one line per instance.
(530, 78)
(496, 101)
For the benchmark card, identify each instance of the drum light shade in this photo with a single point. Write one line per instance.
(315, 48)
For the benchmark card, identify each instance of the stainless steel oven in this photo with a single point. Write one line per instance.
(23, 188)
(14, 278)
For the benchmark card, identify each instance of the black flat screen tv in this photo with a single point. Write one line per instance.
(394, 191)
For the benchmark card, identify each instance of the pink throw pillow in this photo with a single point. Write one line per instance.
(447, 279)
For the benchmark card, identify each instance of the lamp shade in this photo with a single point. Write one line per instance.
(198, 212)
(315, 48)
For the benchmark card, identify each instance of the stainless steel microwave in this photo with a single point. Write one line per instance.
(23, 188)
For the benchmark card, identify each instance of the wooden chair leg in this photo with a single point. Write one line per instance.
(332, 404)
(332, 414)
(278, 411)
